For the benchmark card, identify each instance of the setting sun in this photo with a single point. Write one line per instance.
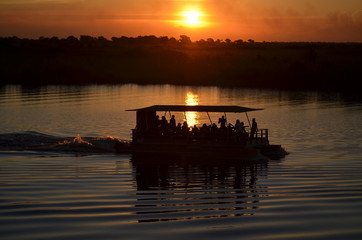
(192, 18)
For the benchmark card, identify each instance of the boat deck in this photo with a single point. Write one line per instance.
(219, 141)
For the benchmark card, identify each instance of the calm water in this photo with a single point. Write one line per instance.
(313, 193)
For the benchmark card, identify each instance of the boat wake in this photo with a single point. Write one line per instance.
(36, 141)
(31, 140)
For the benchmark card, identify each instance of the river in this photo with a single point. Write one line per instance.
(315, 192)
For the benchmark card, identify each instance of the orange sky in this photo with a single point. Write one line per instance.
(261, 20)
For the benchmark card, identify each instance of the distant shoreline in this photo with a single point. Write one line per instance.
(163, 60)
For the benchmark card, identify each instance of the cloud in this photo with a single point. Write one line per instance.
(346, 19)
(343, 26)
(288, 23)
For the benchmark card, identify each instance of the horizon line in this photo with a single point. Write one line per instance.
(217, 40)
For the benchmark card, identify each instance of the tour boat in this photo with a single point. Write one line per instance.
(150, 137)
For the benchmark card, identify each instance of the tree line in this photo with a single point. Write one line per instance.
(86, 40)
(167, 60)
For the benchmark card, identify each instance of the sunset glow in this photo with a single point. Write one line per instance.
(191, 117)
(260, 20)
(192, 18)
(192, 99)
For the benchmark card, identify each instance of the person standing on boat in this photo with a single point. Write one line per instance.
(254, 128)
(239, 128)
(244, 134)
(173, 123)
(222, 122)
(163, 125)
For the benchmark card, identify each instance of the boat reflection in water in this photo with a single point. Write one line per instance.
(184, 189)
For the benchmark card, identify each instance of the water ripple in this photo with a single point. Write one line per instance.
(107, 197)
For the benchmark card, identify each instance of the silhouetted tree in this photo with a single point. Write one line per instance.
(71, 41)
(163, 40)
(185, 40)
(210, 41)
(201, 42)
(172, 41)
(151, 39)
(122, 40)
(102, 39)
(87, 40)
(54, 39)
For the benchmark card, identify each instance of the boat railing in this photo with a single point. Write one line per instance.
(261, 136)
(264, 133)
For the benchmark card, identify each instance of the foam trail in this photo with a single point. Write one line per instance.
(30, 140)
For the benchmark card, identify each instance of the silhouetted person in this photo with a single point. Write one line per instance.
(173, 123)
(229, 130)
(163, 121)
(185, 129)
(254, 128)
(239, 130)
(204, 130)
(178, 129)
(158, 121)
(214, 129)
(222, 122)
(244, 134)
(195, 131)
(163, 124)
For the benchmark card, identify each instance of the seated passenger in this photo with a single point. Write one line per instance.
(204, 130)
(214, 130)
(178, 129)
(230, 130)
(185, 129)
(195, 131)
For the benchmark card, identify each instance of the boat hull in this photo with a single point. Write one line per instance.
(193, 149)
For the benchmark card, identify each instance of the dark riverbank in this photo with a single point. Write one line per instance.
(153, 60)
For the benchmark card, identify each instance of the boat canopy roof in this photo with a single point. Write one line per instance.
(196, 108)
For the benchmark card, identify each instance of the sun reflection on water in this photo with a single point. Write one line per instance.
(192, 117)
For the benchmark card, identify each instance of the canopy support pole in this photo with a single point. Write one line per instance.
(246, 113)
(209, 117)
